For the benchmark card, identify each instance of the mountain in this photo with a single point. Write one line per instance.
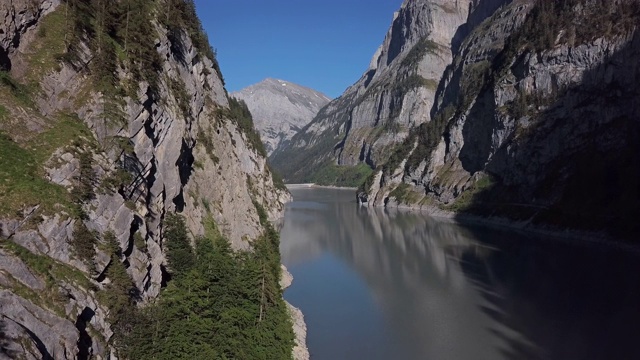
(357, 131)
(121, 151)
(280, 109)
(525, 110)
(537, 119)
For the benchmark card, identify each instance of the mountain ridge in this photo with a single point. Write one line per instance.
(280, 109)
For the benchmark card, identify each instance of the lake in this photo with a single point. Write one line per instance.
(379, 283)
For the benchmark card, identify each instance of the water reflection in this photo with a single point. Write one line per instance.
(416, 288)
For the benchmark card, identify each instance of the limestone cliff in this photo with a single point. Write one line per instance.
(536, 119)
(280, 109)
(86, 157)
(392, 97)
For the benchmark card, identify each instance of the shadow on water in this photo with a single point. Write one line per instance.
(461, 292)
(568, 301)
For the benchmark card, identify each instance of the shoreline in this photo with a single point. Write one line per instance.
(300, 350)
(316, 186)
(523, 226)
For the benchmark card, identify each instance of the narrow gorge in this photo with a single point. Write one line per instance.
(507, 109)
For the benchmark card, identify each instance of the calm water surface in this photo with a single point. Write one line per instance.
(383, 284)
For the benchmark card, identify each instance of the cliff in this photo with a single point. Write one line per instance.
(393, 96)
(280, 109)
(106, 129)
(535, 119)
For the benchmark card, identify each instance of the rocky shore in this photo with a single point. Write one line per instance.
(300, 350)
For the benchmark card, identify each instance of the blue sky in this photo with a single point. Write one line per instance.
(322, 44)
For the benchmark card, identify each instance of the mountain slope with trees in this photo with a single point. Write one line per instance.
(120, 151)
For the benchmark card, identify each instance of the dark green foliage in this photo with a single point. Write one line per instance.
(580, 20)
(476, 76)
(347, 176)
(139, 43)
(419, 50)
(139, 242)
(3, 112)
(226, 306)
(19, 91)
(205, 139)
(181, 14)
(123, 34)
(277, 179)
(429, 135)
(83, 189)
(365, 186)
(262, 213)
(399, 153)
(239, 113)
(179, 251)
(84, 243)
(120, 291)
(179, 92)
(117, 180)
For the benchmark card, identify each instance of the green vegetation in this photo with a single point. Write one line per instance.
(568, 22)
(205, 139)
(22, 183)
(84, 243)
(239, 113)
(418, 51)
(277, 179)
(347, 176)
(179, 251)
(47, 46)
(409, 83)
(405, 194)
(49, 270)
(123, 34)
(181, 14)
(218, 305)
(179, 92)
(20, 92)
(471, 197)
(139, 242)
(476, 77)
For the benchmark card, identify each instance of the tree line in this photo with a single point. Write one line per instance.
(219, 304)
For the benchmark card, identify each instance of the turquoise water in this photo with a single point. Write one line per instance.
(381, 284)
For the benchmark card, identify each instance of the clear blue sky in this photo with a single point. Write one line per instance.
(322, 44)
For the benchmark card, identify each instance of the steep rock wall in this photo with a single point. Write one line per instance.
(394, 95)
(175, 149)
(542, 130)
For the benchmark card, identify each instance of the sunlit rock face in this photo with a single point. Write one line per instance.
(180, 149)
(393, 96)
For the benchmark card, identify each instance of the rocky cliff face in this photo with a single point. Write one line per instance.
(394, 95)
(171, 146)
(280, 109)
(536, 119)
